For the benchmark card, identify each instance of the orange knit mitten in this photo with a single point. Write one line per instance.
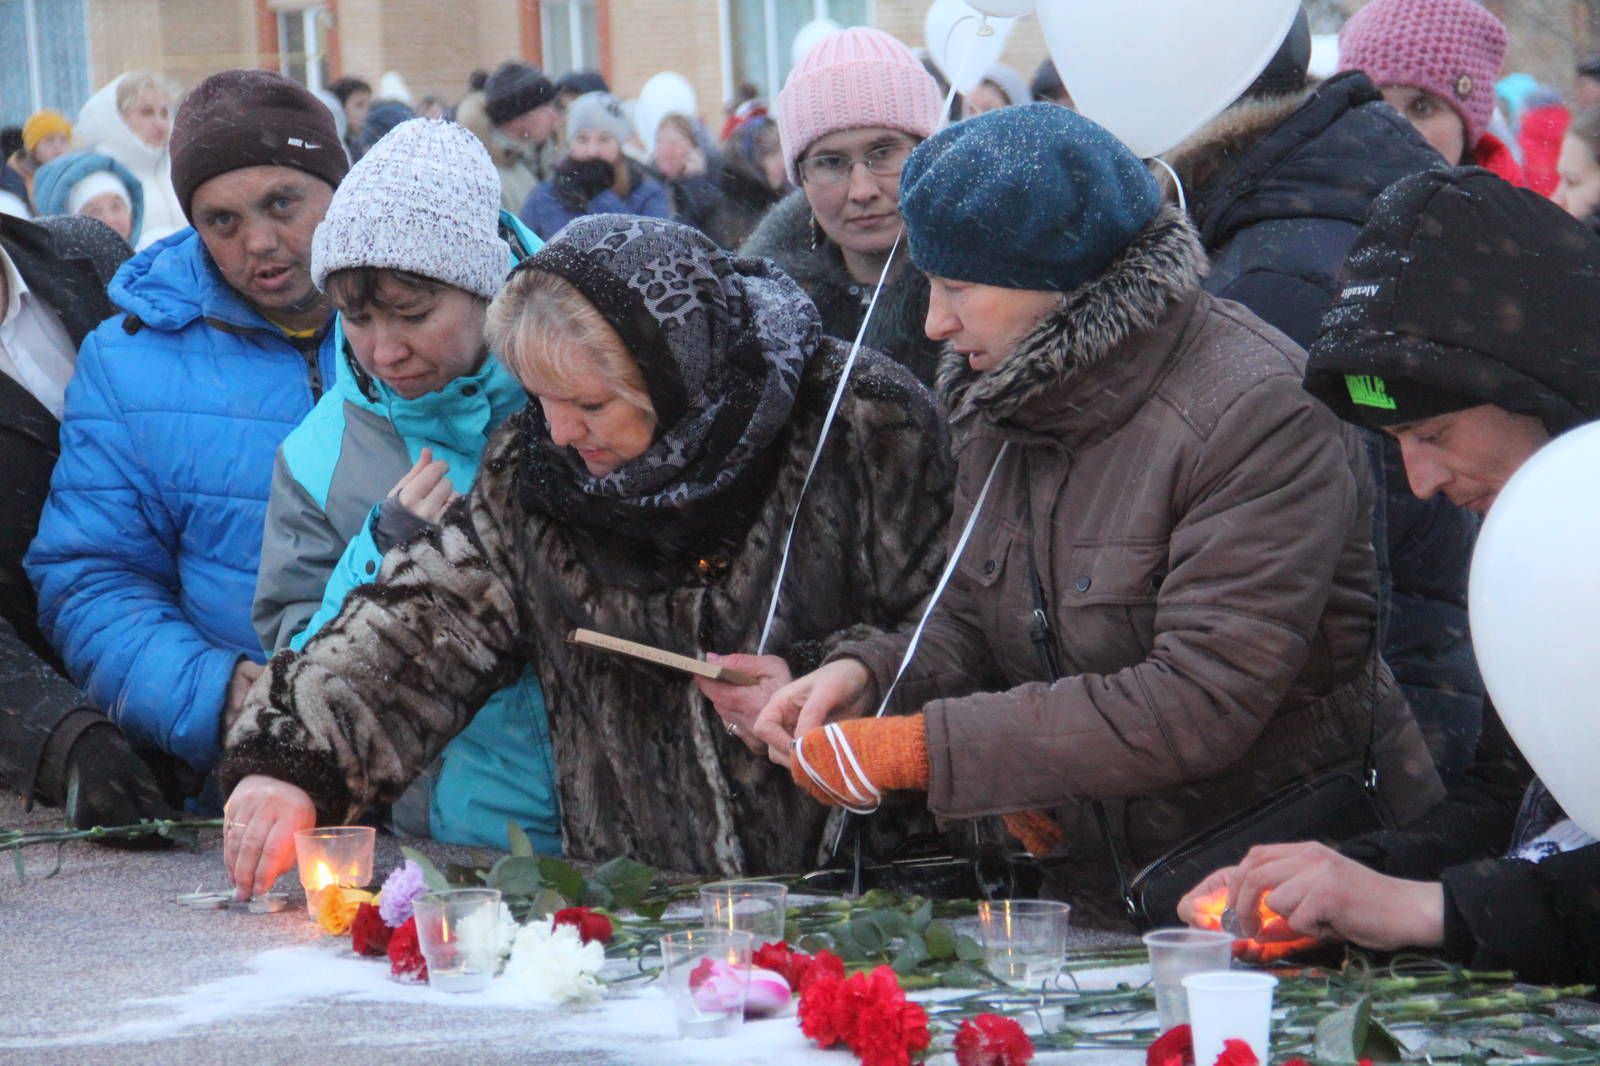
(891, 753)
(1039, 833)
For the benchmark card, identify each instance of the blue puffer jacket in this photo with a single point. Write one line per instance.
(145, 562)
(332, 475)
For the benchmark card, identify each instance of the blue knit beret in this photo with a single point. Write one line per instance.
(1034, 197)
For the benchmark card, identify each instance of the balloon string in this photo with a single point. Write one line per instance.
(1183, 203)
(984, 30)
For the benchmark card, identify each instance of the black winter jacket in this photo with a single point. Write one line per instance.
(67, 262)
(1279, 189)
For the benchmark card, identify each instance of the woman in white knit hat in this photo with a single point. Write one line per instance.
(413, 248)
(595, 177)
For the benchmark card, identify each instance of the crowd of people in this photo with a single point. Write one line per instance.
(990, 452)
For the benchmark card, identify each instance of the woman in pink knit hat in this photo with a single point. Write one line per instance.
(848, 117)
(1436, 62)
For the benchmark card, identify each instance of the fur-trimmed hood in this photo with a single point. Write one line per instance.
(1322, 154)
(1161, 266)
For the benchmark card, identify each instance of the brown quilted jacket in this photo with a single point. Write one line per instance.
(1201, 531)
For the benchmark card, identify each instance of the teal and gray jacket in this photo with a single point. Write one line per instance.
(323, 538)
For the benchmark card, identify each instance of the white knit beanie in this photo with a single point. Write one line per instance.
(425, 199)
(96, 184)
(598, 111)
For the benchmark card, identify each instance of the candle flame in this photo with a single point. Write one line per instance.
(322, 877)
(444, 929)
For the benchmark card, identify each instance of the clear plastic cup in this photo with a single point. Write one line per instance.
(1234, 1005)
(1024, 940)
(335, 855)
(1174, 955)
(759, 908)
(707, 974)
(459, 934)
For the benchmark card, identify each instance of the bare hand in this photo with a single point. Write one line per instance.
(1203, 908)
(425, 491)
(738, 705)
(260, 821)
(1323, 894)
(244, 675)
(828, 694)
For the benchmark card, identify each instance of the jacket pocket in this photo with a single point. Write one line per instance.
(984, 562)
(1106, 600)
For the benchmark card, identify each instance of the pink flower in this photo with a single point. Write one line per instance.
(717, 986)
(769, 993)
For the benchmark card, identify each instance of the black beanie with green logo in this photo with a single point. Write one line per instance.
(1463, 290)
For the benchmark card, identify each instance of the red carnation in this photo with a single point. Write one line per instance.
(827, 1010)
(1175, 1047)
(405, 954)
(1237, 1053)
(592, 926)
(992, 1040)
(889, 1029)
(806, 968)
(775, 957)
(369, 935)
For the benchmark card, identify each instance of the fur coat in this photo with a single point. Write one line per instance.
(645, 767)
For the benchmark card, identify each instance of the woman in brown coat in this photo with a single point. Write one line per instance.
(1173, 528)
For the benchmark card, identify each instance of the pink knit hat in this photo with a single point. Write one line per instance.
(849, 80)
(1451, 48)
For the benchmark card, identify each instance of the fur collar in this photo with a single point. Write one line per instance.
(1219, 145)
(1162, 264)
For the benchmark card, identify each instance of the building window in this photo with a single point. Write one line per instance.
(45, 59)
(759, 35)
(302, 46)
(570, 33)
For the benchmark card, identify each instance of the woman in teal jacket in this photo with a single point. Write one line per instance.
(411, 251)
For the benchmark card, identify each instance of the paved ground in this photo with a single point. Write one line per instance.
(99, 965)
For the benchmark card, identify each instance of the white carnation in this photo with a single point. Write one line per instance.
(550, 964)
(484, 926)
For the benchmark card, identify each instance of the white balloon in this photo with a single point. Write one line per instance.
(1004, 8)
(809, 35)
(667, 93)
(1154, 71)
(950, 30)
(1534, 607)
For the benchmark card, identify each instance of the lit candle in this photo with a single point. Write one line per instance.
(335, 856)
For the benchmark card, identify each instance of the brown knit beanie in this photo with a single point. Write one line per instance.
(252, 118)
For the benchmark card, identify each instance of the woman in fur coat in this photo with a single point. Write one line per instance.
(646, 494)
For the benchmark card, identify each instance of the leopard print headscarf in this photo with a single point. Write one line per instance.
(721, 340)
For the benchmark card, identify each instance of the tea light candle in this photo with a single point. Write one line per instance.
(333, 856)
(458, 932)
(201, 900)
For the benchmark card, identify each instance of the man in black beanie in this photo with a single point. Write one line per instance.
(1466, 328)
(522, 106)
(146, 556)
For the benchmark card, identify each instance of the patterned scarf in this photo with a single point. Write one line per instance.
(721, 342)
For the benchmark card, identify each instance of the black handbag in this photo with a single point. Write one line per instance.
(1330, 808)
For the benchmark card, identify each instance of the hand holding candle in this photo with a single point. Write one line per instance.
(260, 821)
(1293, 896)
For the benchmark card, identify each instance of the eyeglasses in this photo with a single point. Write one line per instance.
(884, 161)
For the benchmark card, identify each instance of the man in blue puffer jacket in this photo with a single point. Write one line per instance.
(145, 561)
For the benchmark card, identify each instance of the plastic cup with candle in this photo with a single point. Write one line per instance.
(1024, 940)
(1231, 1005)
(336, 855)
(1174, 955)
(759, 908)
(707, 974)
(459, 934)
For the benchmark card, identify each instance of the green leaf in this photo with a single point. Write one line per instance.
(16, 859)
(1340, 1035)
(812, 943)
(865, 932)
(1382, 1045)
(516, 875)
(561, 877)
(548, 902)
(627, 880)
(968, 949)
(520, 844)
(940, 939)
(919, 919)
(651, 912)
(430, 873)
(913, 952)
(596, 894)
